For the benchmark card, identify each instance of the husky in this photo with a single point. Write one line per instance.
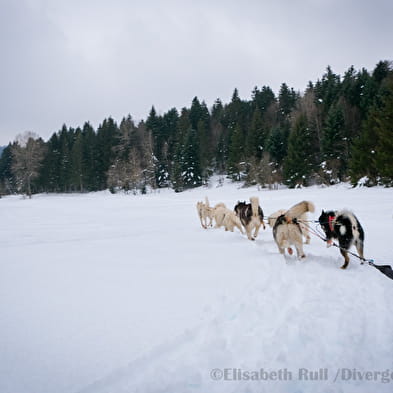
(218, 214)
(345, 227)
(227, 218)
(231, 220)
(251, 216)
(288, 231)
(205, 212)
(303, 217)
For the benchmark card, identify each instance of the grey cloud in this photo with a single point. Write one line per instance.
(74, 61)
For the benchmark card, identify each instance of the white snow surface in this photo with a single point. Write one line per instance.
(104, 293)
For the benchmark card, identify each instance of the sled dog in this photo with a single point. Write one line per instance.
(227, 218)
(231, 220)
(287, 231)
(205, 212)
(345, 227)
(251, 216)
(273, 217)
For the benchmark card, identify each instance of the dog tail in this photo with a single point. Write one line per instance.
(299, 209)
(254, 206)
(311, 207)
(207, 201)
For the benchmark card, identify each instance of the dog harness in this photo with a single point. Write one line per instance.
(331, 222)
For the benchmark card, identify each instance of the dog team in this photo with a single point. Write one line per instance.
(289, 226)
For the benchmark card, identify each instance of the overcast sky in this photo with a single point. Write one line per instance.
(71, 61)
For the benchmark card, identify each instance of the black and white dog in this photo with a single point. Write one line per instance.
(251, 216)
(345, 227)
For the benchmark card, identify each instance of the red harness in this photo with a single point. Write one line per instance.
(331, 219)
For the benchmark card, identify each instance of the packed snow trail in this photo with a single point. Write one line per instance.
(303, 315)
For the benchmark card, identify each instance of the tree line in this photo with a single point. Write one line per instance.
(339, 129)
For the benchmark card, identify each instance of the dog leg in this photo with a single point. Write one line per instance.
(211, 216)
(300, 252)
(257, 227)
(248, 231)
(346, 258)
(359, 248)
(210, 222)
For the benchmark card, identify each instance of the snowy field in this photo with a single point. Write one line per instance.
(104, 293)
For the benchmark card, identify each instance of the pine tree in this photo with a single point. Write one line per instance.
(298, 164)
(235, 154)
(219, 137)
(156, 126)
(384, 133)
(89, 158)
(191, 170)
(262, 99)
(286, 102)
(381, 71)
(327, 90)
(257, 136)
(178, 164)
(7, 180)
(77, 175)
(106, 140)
(170, 126)
(65, 160)
(277, 143)
(49, 180)
(334, 145)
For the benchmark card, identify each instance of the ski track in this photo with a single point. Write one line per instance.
(280, 313)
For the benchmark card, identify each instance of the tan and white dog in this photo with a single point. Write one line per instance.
(303, 217)
(231, 220)
(205, 213)
(227, 218)
(288, 231)
(219, 214)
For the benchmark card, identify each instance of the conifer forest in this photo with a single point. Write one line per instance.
(340, 129)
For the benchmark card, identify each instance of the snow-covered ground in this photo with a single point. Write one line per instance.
(120, 293)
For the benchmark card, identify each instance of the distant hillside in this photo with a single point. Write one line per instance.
(1, 149)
